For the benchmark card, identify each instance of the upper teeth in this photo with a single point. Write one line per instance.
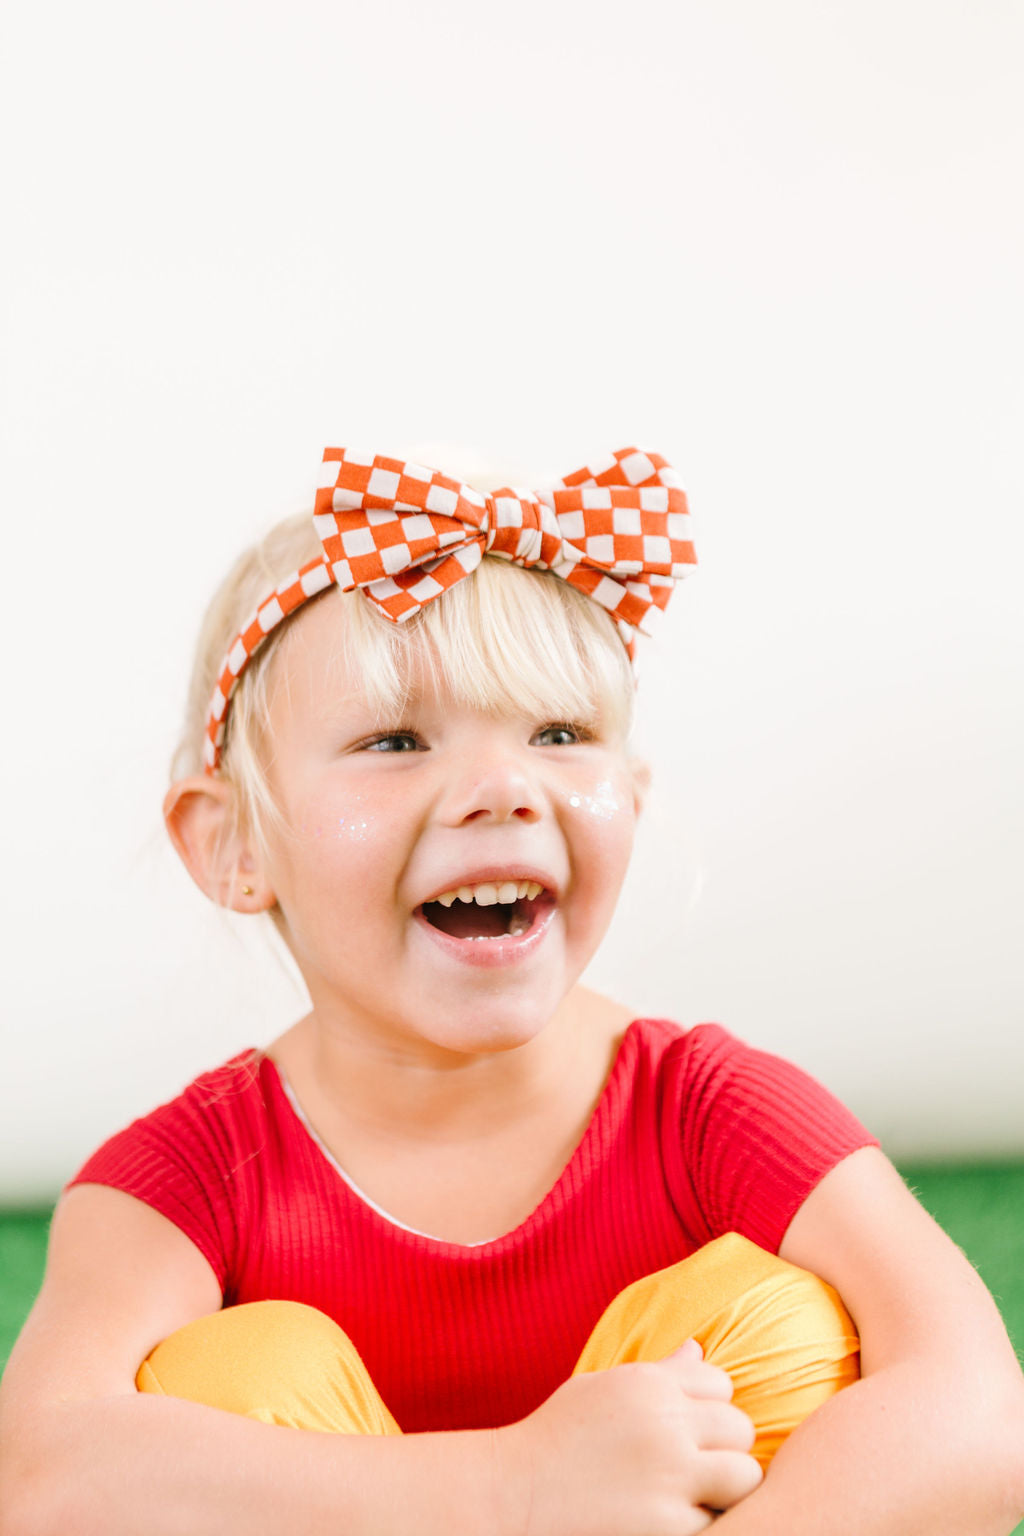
(487, 895)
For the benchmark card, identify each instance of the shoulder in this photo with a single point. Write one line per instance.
(716, 1069)
(683, 1076)
(233, 1095)
(198, 1149)
(198, 1158)
(242, 1090)
(234, 1080)
(674, 1052)
(745, 1134)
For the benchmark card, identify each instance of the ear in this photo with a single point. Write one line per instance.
(641, 773)
(202, 820)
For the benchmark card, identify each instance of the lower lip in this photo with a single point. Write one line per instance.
(489, 954)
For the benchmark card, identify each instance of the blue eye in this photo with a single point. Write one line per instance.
(563, 735)
(395, 741)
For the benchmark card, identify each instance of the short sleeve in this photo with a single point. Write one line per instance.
(746, 1136)
(187, 1160)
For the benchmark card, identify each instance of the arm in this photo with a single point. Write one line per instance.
(638, 1451)
(82, 1452)
(932, 1437)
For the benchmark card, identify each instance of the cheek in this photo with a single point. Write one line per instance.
(602, 815)
(340, 865)
(604, 802)
(352, 824)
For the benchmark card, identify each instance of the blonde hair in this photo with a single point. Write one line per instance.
(504, 640)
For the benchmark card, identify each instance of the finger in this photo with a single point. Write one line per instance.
(720, 1426)
(697, 1520)
(698, 1378)
(724, 1477)
(691, 1350)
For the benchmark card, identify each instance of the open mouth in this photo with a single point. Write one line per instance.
(488, 911)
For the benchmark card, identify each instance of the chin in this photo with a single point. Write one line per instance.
(486, 1030)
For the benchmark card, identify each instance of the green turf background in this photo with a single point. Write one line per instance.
(981, 1206)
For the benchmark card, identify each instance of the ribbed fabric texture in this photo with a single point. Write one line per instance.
(695, 1135)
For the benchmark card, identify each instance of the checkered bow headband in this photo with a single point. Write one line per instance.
(618, 531)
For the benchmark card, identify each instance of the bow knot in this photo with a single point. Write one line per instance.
(516, 528)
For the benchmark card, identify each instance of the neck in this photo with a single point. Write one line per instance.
(432, 1095)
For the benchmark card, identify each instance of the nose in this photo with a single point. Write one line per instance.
(491, 786)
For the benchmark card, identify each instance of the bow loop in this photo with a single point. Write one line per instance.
(630, 530)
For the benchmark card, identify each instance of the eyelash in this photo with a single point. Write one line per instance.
(375, 743)
(580, 733)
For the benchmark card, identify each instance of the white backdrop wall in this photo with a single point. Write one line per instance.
(782, 244)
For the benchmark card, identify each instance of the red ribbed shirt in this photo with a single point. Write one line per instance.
(695, 1134)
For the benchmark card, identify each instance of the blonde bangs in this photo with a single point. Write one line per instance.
(505, 640)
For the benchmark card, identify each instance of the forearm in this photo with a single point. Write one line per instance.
(908, 1451)
(115, 1466)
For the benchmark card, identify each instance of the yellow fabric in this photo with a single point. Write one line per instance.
(277, 1361)
(783, 1336)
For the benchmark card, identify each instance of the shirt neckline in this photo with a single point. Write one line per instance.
(619, 1066)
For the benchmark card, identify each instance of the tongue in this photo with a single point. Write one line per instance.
(465, 920)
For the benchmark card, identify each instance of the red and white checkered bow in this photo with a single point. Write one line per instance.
(618, 531)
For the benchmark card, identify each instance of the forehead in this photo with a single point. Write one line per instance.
(312, 663)
(503, 642)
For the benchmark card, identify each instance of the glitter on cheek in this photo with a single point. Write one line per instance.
(356, 828)
(603, 804)
(356, 825)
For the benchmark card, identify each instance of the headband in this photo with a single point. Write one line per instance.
(618, 531)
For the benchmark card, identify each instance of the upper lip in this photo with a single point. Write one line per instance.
(496, 874)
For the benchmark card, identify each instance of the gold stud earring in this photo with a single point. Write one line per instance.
(246, 890)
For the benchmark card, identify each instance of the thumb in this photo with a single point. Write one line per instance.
(701, 1378)
(688, 1353)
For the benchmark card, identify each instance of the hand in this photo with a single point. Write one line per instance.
(639, 1450)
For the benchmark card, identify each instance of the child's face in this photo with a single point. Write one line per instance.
(384, 817)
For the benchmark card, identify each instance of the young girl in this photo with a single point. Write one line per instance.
(469, 1248)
